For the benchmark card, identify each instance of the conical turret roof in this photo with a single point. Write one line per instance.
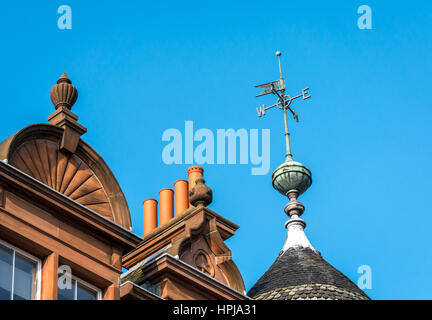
(302, 274)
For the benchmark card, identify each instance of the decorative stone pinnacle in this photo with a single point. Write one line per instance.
(200, 195)
(63, 94)
(64, 78)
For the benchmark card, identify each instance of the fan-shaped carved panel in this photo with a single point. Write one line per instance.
(63, 172)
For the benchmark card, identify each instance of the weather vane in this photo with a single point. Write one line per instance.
(284, 101)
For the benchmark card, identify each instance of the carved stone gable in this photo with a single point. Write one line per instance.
(64, 172)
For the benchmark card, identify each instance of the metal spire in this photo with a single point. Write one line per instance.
(284, 101)
(278, 54)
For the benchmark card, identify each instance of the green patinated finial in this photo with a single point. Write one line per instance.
(290, 176)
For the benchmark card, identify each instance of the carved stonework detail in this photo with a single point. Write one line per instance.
(63, 94)
(196, 237)
(200, 195)
(64, 172)
(203, 262)
(202, 246)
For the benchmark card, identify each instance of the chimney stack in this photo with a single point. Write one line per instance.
(166, 206)
(181, 196)
(150, 215)
(177, 200)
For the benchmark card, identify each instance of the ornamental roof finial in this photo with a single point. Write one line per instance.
(63, 94)
(200, 195)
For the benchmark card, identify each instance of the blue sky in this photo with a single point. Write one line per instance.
(142, 67)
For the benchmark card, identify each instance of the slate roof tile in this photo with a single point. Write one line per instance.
(301, 273)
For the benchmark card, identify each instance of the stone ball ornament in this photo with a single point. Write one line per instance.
(201, 194)
(291, 177)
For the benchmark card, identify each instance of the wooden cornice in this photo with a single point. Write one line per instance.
(34, 191)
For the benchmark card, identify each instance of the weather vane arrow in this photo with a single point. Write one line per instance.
(283, 102)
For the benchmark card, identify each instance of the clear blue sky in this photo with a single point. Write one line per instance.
(142, 67)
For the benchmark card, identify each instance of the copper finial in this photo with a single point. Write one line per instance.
(63, 94)
(200, 195)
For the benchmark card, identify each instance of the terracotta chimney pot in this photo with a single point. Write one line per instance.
(166, 206)
(150, 215)
(194, 173)
(181, 196)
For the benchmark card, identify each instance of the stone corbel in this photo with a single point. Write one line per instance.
(223, 257)
(193, 226)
